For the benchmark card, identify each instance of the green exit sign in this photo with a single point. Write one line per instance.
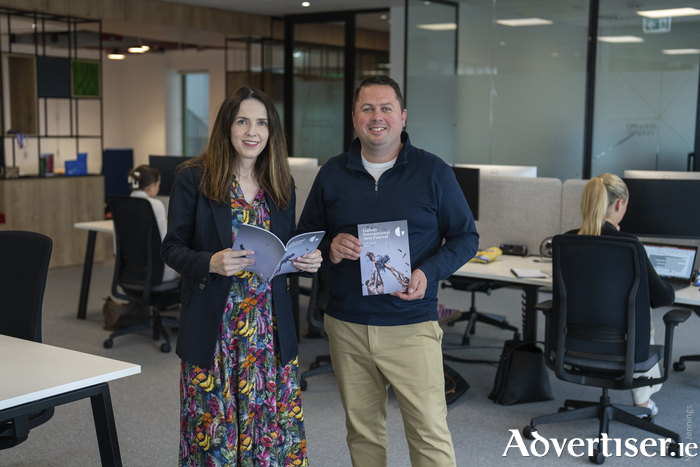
(656, 25)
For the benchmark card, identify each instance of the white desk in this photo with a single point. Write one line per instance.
(500, 270)
(92, 228)
(688, 296)
(50, 376)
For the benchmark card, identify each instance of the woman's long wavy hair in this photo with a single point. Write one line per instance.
(219, 160)
(599, 194)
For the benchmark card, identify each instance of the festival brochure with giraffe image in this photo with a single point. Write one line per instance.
(385, 263)
(272, 257)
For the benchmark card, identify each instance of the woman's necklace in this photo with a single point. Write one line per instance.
(239, 176)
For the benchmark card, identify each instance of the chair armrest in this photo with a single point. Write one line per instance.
(676, 316)
(544, 307)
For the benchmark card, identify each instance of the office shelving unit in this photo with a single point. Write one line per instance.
(51, 91)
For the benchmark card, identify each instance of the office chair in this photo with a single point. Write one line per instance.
(138, 269)
(680, 364)
(597, 331)
(23, 268)
(322, 364)
(472, 315)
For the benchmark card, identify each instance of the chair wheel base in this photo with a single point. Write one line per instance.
(165, 347)
(108, 344)
(597, 458)
(529, 432)
(303, 384)
(679, 366)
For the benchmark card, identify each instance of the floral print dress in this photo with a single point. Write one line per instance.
(245, 411)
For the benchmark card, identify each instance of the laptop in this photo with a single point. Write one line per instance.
(674, 263)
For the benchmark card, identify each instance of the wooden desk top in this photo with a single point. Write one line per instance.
(97, 226)
(34, 371)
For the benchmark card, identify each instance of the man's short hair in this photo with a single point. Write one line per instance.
(378, 80)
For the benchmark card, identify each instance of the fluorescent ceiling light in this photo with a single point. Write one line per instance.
(524, 22)
(669, 13)
(438, 26)
(620, 39)
(116, 56)
(305, 4)
(138, 50)
(681, 51)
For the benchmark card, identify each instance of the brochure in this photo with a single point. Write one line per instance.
(271, 256)
(385, 264)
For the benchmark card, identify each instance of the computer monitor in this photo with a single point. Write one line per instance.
(503, 170)
(662, 175)
(468, 179)
(662, 208)
(166, 165)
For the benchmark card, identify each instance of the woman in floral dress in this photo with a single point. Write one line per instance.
(240, 403)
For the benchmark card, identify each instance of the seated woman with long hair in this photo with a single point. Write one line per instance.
(603, 205)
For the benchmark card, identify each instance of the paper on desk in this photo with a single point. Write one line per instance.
(528, 273)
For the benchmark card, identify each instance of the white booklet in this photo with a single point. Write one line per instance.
(272, 257)
(385, 263)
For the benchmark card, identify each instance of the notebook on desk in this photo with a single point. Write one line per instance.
(674, 263)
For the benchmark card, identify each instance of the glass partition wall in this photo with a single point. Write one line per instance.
(326, 56)
(505, 82)
(646, 90)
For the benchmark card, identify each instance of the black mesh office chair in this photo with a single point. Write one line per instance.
(473, 315)
(680, 364)
(138, 269)
(597, 330)
(24, 262)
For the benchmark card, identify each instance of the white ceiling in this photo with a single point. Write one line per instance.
(290, 7)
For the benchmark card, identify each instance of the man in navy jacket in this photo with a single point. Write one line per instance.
(383, 340)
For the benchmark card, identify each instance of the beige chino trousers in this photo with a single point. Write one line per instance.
(366, 360)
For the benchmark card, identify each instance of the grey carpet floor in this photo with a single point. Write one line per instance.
(146, 406)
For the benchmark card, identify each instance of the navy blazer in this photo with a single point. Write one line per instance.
(197, 228)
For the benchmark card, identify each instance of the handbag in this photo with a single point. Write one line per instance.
(121, 315)
(522, 375)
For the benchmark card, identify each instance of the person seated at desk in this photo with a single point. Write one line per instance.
(144, 181)
(603, 205)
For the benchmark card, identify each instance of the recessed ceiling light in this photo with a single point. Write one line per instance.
(438, 26)
(524, 22)
(305, 4)
(145, 48)
(669, 13)
(681, 51)
(139, 50)
(620, 39)
(116, 56)
(383, 17)
(296, 54)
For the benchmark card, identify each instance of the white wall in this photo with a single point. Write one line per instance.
(140, 102)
